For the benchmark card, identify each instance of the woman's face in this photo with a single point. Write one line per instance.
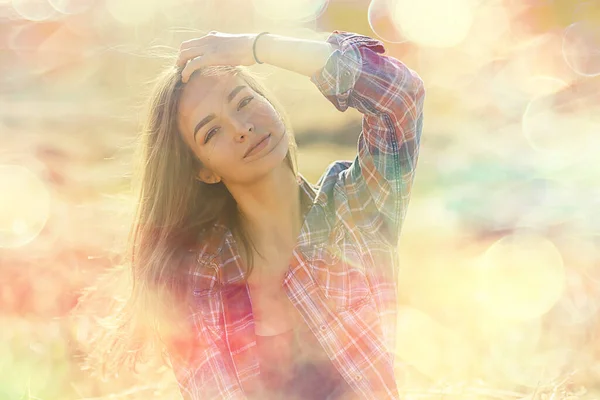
(221, 119)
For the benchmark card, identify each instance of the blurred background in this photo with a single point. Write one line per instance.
(500, 251)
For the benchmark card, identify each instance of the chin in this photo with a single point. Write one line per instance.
(274, 159)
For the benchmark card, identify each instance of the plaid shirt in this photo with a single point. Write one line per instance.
(343, 273)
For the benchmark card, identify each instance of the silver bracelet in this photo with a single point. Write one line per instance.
(254, 47)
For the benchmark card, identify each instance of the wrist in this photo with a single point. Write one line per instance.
(257, 59)
(293, 54)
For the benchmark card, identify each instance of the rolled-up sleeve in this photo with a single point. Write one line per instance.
(377, 184)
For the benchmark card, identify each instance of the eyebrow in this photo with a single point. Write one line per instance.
(210, 117)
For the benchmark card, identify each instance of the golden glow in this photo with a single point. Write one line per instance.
(544, 85)
(133, 12)
(33, 10)
(71, 6)
(290, 10)
(420, 341)
(581, 48)
(24, 206)
(560, 126)
(435, 23)
(522, 276)
(381, 21)
(510, 142)
(488, 35)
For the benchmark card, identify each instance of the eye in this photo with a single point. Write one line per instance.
(250, 98)
(241, 104)
(210, 134)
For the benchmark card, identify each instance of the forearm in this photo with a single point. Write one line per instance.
(298, 55)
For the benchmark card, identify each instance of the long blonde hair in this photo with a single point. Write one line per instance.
(172, 210)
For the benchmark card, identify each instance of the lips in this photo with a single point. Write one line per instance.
(265, 137)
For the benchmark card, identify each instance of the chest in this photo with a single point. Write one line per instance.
(272, 310)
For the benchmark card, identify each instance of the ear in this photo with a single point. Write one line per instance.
(208, 177)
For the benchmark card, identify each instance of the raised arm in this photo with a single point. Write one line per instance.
(298, 55)
(351, 70)
(377, 184)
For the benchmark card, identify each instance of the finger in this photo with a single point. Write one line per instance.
(188, 54)
(196, 41)
(192, 65)
(189, 44)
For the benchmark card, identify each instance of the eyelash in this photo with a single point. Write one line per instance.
(208, 135)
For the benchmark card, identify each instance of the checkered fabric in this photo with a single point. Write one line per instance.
(342, 276)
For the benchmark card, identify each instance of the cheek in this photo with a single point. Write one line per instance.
(219, 153)
(265, 114)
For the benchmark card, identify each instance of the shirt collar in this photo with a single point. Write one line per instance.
(315, 231)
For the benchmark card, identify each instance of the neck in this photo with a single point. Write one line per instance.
(270, 207)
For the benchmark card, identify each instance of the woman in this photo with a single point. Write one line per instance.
(268, 286)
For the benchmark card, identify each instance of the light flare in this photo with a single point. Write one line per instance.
(290, 10)
(435, 23)
(24, 206)
(581, 48)
(522, 276)
(133, 12)
(34, 10)
(72, 6)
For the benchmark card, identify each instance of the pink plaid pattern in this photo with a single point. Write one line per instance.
(343, 273)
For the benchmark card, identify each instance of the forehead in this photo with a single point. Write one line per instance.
(204, 95)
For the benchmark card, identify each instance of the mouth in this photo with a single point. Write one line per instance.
(258, 146)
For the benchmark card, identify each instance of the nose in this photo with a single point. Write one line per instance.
(242, 130)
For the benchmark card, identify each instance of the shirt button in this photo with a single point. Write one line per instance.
(358, 378)
(323, 328)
